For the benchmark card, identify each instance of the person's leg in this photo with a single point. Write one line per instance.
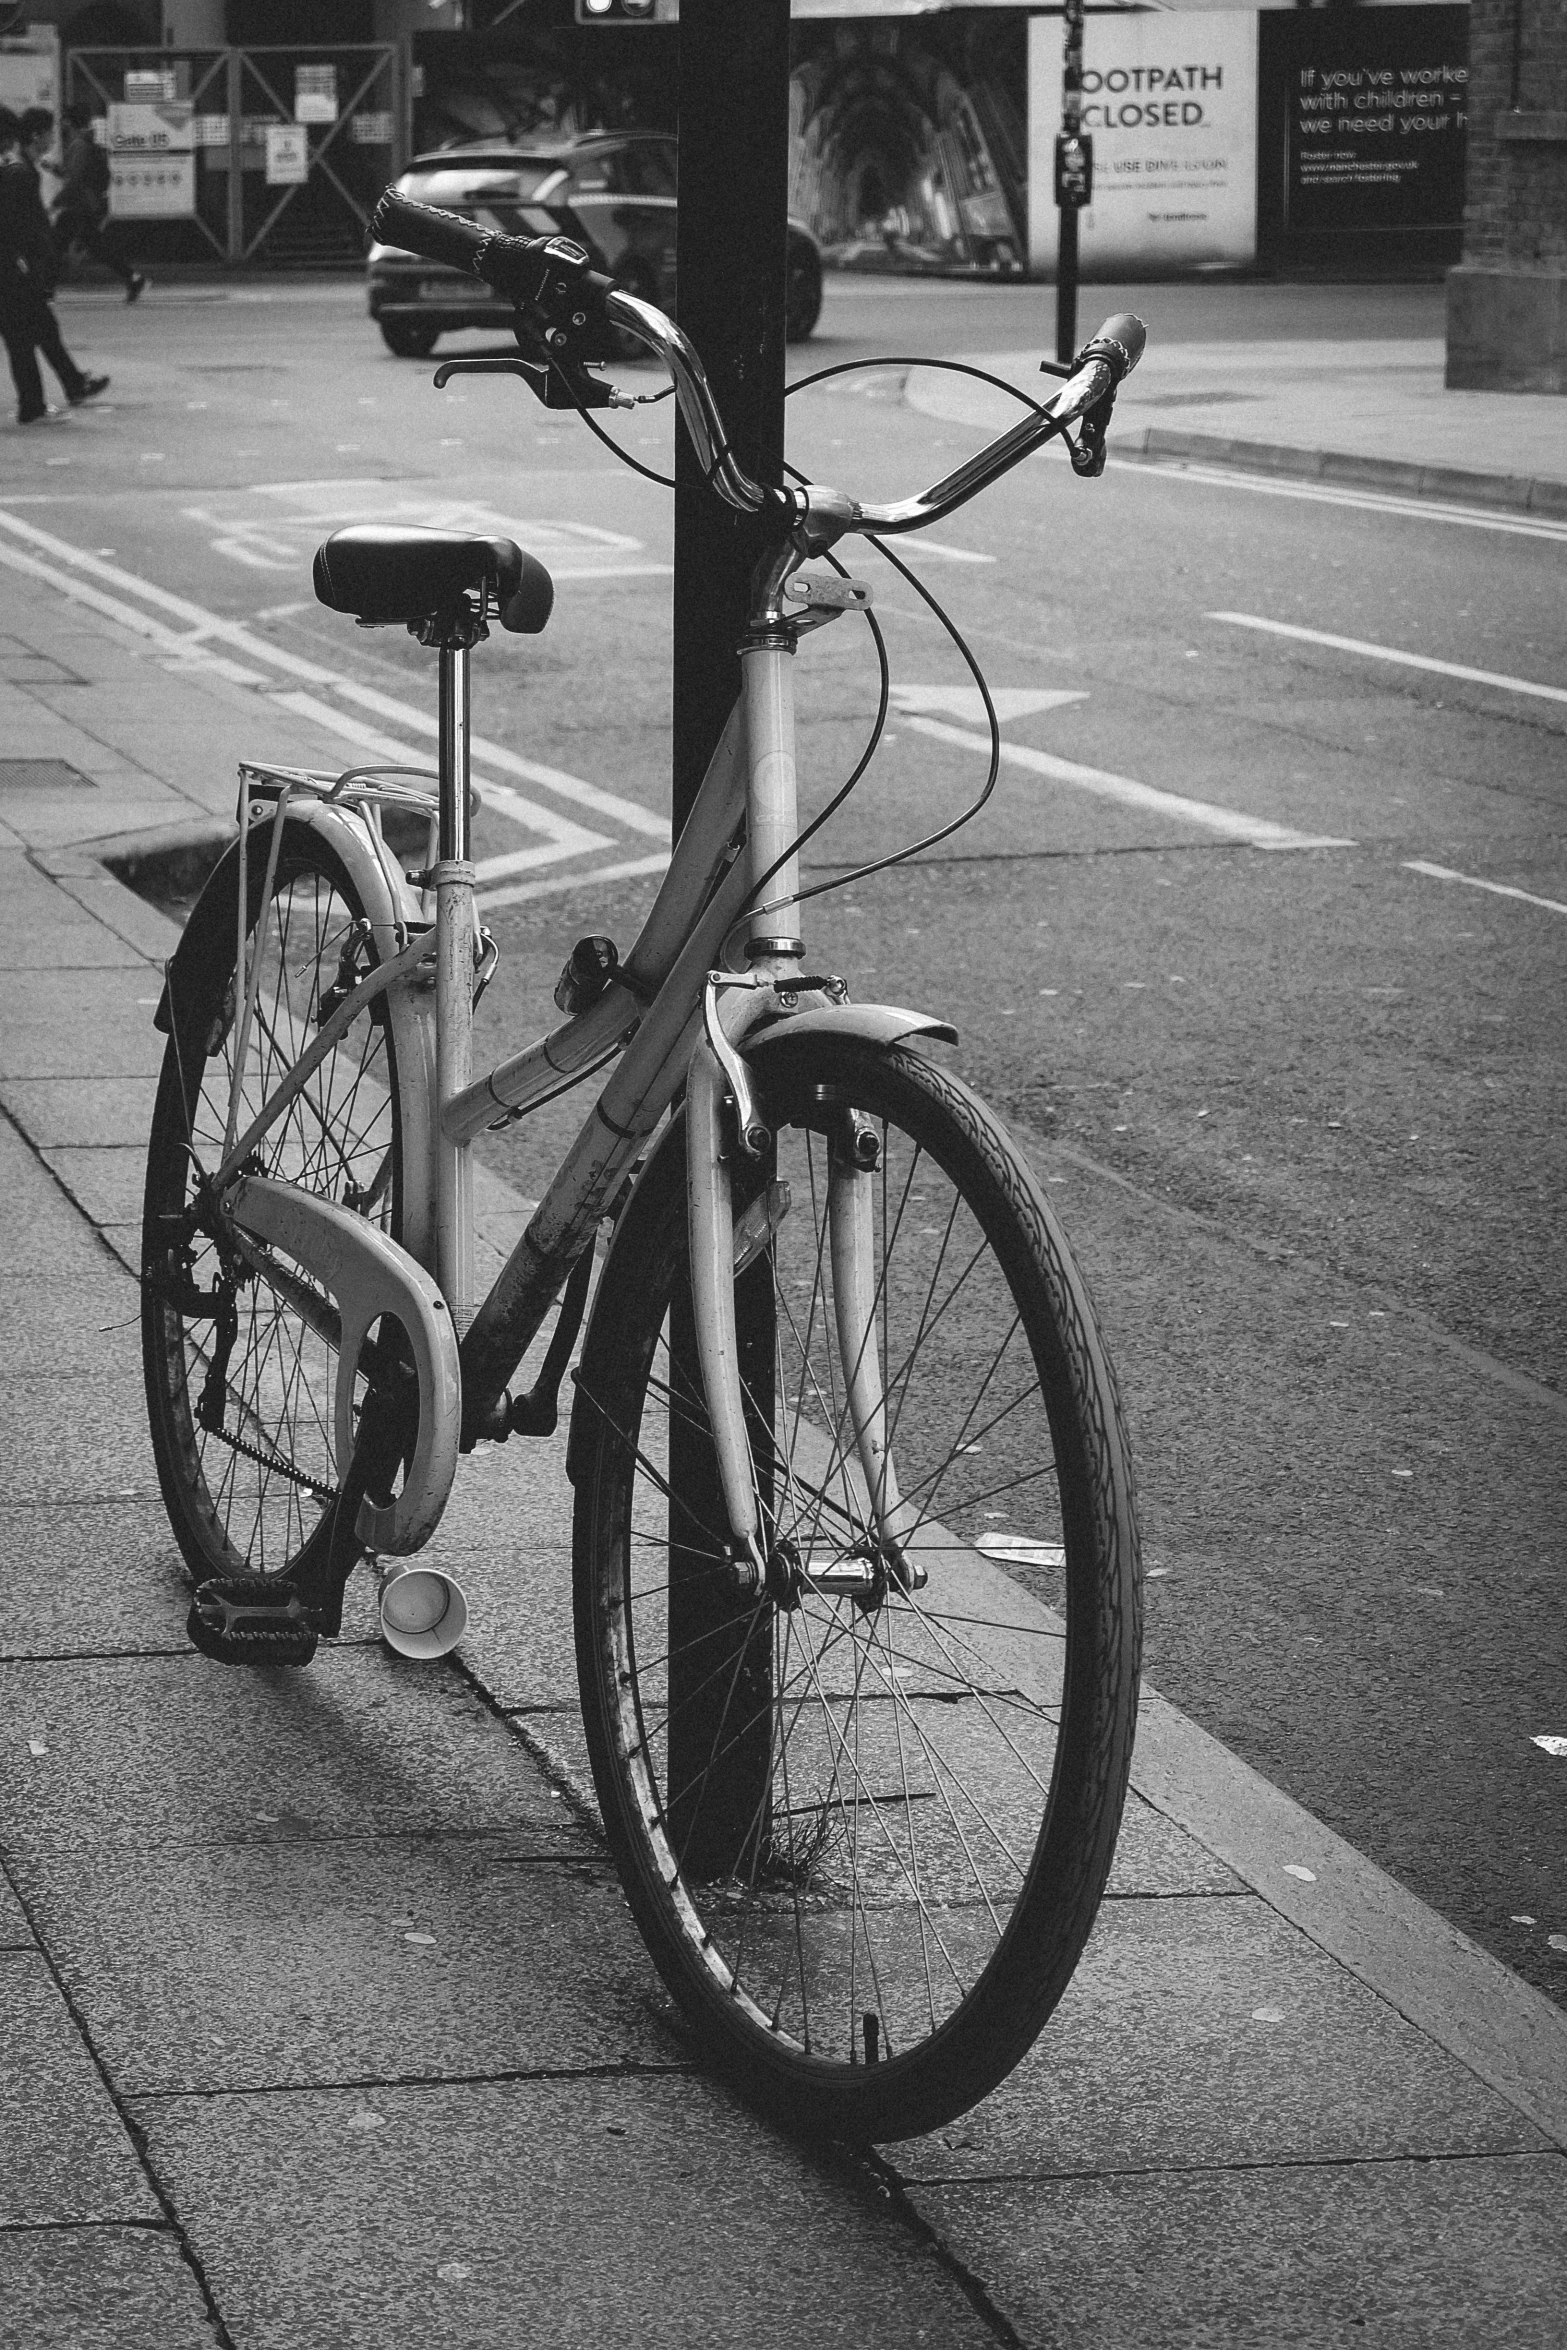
(17, 336)
(46, 334)
(80, 228)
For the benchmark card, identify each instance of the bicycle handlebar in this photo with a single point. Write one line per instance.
(549, 278)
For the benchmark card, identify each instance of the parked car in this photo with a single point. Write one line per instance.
(614, 191)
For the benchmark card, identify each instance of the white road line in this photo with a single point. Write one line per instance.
(1256, 832)
(1500, 889)
(625, 812)
(1355, 644)
(952, 554)
(1225, 477)
(203, 625)
(564, 838)
(490, 898)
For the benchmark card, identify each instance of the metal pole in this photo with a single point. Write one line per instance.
(734, 180)
(235, 79)
(1071, 134)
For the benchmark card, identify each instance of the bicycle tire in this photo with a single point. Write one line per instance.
(840, 1896)
(245, 1459)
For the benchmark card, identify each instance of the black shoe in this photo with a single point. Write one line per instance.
(92, 385)
(41, 416)
(138, 285)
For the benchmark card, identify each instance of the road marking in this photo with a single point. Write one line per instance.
(1355, 644)
(1367, 501)
(490, 898)
(965, 701)
(1256, 832)
(203, 625)
(952, 554)
(565, 839)
(1500, 889)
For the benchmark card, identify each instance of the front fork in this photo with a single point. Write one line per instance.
(715, 1116)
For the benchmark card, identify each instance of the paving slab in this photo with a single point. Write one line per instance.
(101, 2288)
(148, 1751)
(291, 1964)
(1210, 2031)
(92, 1578)
(43, 926)
(80, 1023)
(1403, 2255)
(65, 2156)
(86, 1578)
(56, 1112)
(82, 1435)
(563, 2215)
(15, 1932)
(105, 1180)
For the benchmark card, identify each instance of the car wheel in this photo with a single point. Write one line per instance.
(405, 338)
(802, 288)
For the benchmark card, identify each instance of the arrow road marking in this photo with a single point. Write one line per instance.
(1355, 644)
(1256, 832)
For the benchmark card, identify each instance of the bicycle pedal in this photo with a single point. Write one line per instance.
(252, 1620)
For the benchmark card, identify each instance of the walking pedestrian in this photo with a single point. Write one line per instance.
(82, 205)
(28, 269)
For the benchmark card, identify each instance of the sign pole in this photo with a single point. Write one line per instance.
(1073, 179)
(732, 231)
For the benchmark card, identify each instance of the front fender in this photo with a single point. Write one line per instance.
(881, 1024)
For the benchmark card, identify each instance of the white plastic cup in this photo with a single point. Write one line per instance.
(423, 1612)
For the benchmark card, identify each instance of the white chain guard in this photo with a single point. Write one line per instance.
(367, 1275)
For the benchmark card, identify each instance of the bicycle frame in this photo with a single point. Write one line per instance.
(673, 1013)
(662, 1014)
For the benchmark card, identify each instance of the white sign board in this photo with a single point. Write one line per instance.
(1170, 102)
(165, 129)
(152, 187)
(30, 71)
(288, 154)
(315, 93)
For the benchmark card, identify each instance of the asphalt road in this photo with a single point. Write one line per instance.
(1300, 1106)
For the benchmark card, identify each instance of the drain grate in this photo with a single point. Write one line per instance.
(42, 775)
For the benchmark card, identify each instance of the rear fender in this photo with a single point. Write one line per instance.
(389, 905)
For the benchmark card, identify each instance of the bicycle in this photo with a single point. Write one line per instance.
(861, 1777)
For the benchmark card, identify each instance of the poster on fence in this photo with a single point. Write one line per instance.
(152, 187)
(1170, 102)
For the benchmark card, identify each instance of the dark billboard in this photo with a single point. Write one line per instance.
(1363, 117)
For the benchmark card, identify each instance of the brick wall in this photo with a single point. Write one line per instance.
(1516, 214)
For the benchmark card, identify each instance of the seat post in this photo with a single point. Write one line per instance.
(453, 758)
(454, 936)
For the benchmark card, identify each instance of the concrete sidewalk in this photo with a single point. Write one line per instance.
(1370, 414)
(328, 2022)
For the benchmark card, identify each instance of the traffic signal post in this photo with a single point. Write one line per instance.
(730, 265)
(1074, 180)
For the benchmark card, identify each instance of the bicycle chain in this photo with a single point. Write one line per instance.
(274, 1461)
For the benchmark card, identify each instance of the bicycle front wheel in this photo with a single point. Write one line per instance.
(864, 1817)
(240, 1362)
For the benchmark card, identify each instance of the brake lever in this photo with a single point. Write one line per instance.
(1087, 452)
(538, 375)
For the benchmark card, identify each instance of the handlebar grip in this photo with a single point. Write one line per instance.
(1119, 343)
(520, 268)
(420, 228)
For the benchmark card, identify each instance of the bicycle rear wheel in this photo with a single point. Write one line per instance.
(240, 1372)
(864, 1818)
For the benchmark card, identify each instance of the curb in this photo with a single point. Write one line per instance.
(1517, 493)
